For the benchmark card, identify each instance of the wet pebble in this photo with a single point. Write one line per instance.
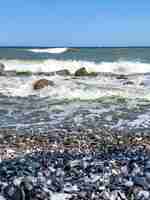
(82, 175)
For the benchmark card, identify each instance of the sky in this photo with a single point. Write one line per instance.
(75, 23)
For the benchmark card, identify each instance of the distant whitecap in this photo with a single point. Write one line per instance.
(49, 50)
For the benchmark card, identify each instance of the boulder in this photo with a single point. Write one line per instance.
(39, 84)
(83, 72)
(2, 67)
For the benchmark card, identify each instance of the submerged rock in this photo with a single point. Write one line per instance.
(23, 73)
(63, 72)
(142, 84)
(39, 84)
(122, 77)
(83, 72)
(9, 73)
(2, 67)
(128, 83)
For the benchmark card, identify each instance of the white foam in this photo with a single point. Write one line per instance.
(143, 119)
(84, 89)
(49, 50)
(51, 65)
(59, 196)
(87, 89)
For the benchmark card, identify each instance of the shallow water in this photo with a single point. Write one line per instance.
(73, 105)
(76, 103)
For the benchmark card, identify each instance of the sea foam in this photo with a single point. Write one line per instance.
(51, 65)
(49, 50)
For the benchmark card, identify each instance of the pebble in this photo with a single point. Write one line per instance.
(76, 175)
(143, 195)
(2, 198)
(129, 184)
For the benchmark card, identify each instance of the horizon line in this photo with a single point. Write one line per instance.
(32, 46)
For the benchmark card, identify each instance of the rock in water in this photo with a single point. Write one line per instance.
(128, 83)
(39, 84)
(83, 72)
(121, 76)
(142, 84)
(63, 72)
(2, 67)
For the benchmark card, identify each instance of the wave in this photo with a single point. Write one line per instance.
(69, 88)
(51, 65)
(72, 89)
(49, 50)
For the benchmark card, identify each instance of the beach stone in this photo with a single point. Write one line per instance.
(2, 198)
(39, 84)
(140, 181)
(147, 176)
(143, 195)
(147, 165)
(105, 195)
(68, 175)
(13, 193)
(117, 195)
(136, 169)
(124, 170)
(39, 194)
(129, 184)
(17, 181)
(27, 184)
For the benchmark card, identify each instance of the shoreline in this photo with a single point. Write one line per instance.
(75, 147)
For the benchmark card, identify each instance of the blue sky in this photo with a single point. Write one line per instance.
(75, 22)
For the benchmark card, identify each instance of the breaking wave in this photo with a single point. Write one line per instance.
(50, 65)
(49, 50)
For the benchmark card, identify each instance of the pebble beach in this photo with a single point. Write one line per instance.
(74, 125)
(86, 166)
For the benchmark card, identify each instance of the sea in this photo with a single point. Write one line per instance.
(76, 103)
